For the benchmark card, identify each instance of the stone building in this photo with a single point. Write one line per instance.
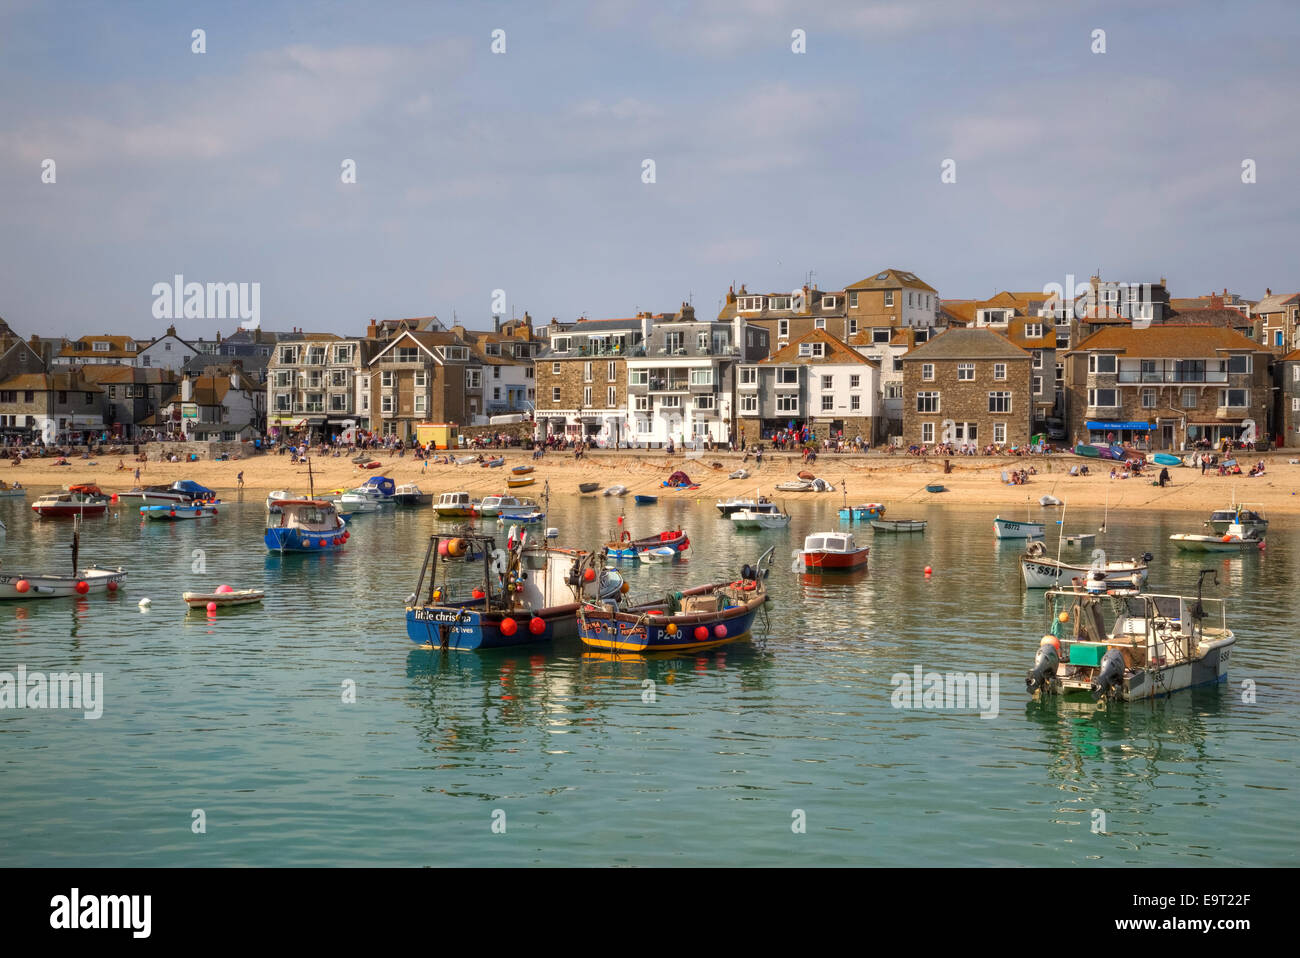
(580, 371)
(967, 386)
(1176, 384)
(1287, 422)
(423, 376)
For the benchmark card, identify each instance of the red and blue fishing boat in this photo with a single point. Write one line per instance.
(686, 621)
(306, 525)
(625, 548)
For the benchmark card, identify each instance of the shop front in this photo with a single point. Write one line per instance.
(1137, 433)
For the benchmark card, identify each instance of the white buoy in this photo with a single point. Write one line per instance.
(145, 603)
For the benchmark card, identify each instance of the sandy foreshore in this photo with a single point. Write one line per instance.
(893, 480)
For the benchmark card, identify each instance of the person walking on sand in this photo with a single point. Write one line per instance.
(240, 480)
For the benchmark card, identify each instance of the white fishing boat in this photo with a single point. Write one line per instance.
(761, 515)
(353, 503)
(1048, 501)
(1234, 540)
(174, 511)
(739, 474)
(736, 504)
(1129, 646)
(491, 506)
(14, 491)
(51, 585)
(1251, 521)
(1039, 571)
(1080, 539)
(662, 554)
(1011, 529)
(409, 494)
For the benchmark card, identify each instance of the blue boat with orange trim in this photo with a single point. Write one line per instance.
(306, 525)
(529, 593)
(686, 621)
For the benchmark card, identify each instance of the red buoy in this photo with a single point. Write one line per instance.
(701, 632)
(536, 626)
(478, 593)
(112, 586)
(720, 631)
(509, 626)
(589, 575)
(82, 587)
(22, 585)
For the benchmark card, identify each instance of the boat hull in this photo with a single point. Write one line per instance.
(862, 513)
(279, 539)
(520, 483)
(1210, 668)
(1041, 573)
(831, 562)
(898, 525)
(1196, 543)
(44, 586)
(465, 628)
(175, 513)
(66, 510)
(760, 522)
(1007, 529)
(200, 600)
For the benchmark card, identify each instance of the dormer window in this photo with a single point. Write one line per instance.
(455, 354)
(101, 347)
(829, 302)
(749, 304)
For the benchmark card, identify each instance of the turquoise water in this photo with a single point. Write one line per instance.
(242, 715)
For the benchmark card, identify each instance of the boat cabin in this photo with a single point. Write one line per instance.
(311, 515)
(454, 500)
(1152, 630)
(830, 542)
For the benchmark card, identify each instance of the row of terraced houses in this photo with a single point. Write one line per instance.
(884, 359)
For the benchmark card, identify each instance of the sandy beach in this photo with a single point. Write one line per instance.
(893, 480)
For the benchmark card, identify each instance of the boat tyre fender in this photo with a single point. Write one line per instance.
(1036, 550)
(744, 585)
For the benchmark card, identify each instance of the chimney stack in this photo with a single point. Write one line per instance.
(187, 388)
(372, 331)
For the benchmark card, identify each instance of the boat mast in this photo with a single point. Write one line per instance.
(76, 542)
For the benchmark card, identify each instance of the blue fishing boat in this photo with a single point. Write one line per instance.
(529, 592)
(690, 620)
(863, 513)
(646, 500)
(306, 525)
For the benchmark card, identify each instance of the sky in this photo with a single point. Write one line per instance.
(524, 171)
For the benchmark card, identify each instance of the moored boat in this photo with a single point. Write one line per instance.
(864, 512)
(1039, 571)
(522, 470)
(491, 506)
(586, 487)
(645, 500)
(175, 511)
(615, 491)
(625, 547)
(1010, 529)
(898, 525)
(1129, 646)
(689, 620)
(51, 585)
(520, 482)
(84, 499)
(455, 505)
(221, 599)
(409, 494)
(12, 491)
(1251, 521)
(760, 515)
(529, 593)
(306, 525)
(736, 503)
(830, 552)
(274, 499)
(494, 463)
(1234, 540)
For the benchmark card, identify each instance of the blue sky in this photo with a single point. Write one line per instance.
(522, 171)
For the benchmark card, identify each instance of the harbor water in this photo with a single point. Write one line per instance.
(309, 730)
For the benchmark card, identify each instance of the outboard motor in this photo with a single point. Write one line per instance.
(1045, 663)
(1109, 675)
(610, 584)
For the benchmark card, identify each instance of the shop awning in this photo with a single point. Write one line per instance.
(1143, 426)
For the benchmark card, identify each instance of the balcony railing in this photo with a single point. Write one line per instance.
(1172, 376)
(669, 385)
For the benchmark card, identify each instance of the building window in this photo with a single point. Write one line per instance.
(1033, 330)
(854, 381)
(1235, 398)
(586, 395)
(473, 379)
(342, 355)
(386, 405)
(670, 402)
(1148, 399)
(927, 372)
(1036, 385)
(966, 371)
(999, 433)
(1240, 363)
(749, 375)
(555, 394)
(853, 300)
(1000, 402)
(828, 382)
(819, 322)
(828, 302)
(855, 402)
(288, 355)
(999, 370)
(1104, 364)
(889, 297)
(927, 402)
(1038, 358)
(611, 397)
(783, 329)
(749, 403)
(812, 349)
(703, 402)
(586, 372)
(1191, 398)
(787, 403)
(853, 327)
(701, 377)
(419, 403)
(641, 403)
(828, 403)
(879, 335)
(555, 369)
(638, 377)
(787, 376)
(101, 347)
(455, 354)
(1060, 372)
(927, 432)
(612, 372)
(1102, 397)
(386, 379)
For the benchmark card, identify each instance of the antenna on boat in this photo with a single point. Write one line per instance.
(1198, 611)
(76, 542)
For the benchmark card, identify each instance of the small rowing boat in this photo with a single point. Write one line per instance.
(221, 599)
(588, 486)
(898, 525)
(645, 500)
(522, 470)
(520, 482)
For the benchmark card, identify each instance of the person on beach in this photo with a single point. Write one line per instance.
(239, 479)
(137, 473)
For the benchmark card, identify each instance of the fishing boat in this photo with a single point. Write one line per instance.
(527, 511)
(627, 548)
(409, 494)
(522, 470)
(690, 620)
(645, 500)
(85, 499)
(380, 488)
(830, 552)
(1129, 646)
(176, 511)
(14, 491)
(455, 505)
(464, 460)
(491, 506)
(898, 525)
(1039, 571)
(761, 515)
(224, 596)
(51, 585)
(1010, 529)
(306, 525)
(1251, 521)
(585, 487)
(1234, 539)
(520, 482)
(356, 502)
(182, 490)
(529, 593)
(863, 513)
(615, 491)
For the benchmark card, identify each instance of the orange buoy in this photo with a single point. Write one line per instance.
(22, 585)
